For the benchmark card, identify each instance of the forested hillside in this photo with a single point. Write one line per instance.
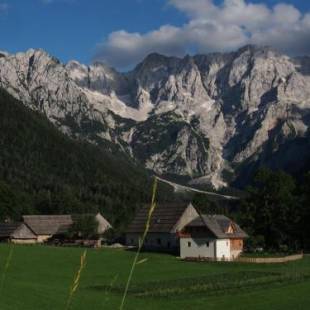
(43, 171)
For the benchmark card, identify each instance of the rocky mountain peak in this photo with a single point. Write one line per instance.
(207, 118)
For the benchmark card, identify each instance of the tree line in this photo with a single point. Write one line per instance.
(42, 171)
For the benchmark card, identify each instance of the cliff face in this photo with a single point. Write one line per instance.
(210, 118)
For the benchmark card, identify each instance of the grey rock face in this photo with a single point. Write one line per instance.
(202, 117)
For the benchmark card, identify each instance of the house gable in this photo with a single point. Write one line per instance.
(103, 224)
(231, 229)
(188, 215)
(23, 232)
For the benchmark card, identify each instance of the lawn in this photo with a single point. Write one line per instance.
(39, 277)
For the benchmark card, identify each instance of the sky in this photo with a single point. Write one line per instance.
(122, 32)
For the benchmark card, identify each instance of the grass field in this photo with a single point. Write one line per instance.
(39, 277)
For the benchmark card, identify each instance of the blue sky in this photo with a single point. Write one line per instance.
(121, 32)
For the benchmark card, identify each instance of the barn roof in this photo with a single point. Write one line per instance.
(7, 229)
(164, 218)
(48, 224)
(218, 224)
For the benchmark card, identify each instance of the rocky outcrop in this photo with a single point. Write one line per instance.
(204, 117)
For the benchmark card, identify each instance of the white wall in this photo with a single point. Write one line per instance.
(223, 249)
(197, 247)
(43, 238)
(24, 241)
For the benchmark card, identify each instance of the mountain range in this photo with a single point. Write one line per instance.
(205, 119)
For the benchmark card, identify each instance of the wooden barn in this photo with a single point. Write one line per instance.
(47, 226)
(167, 220)
(18, 233)
(41, 228)
(213, 237)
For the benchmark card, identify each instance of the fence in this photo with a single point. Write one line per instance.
(270, 260)
(255, 260)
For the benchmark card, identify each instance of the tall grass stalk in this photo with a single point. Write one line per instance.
(6, 267)
(76, 280)
(141, 242)
(109, 289)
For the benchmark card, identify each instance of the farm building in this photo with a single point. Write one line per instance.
(211, 237)
(18, 233)
(47, 226)
(167, 220)
(40, 228)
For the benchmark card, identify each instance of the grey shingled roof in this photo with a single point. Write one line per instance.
(48, 224)
(218, 224)
(164, 218)
(7, 229)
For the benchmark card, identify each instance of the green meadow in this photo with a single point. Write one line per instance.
(40, 277)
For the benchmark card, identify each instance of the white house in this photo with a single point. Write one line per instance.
(214, 237)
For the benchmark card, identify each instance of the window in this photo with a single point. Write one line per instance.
(189, 244)
(207, 243)
(131, 241)
(168, 244)
(158, 241)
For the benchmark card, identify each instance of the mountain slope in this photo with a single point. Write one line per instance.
(205, 118)
(57, 174)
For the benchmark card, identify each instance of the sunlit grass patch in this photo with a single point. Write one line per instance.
(208, 285)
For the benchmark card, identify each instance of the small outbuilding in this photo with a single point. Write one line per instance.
(214, 237)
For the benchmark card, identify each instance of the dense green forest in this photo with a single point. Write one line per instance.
(274, 210)
(43, 171)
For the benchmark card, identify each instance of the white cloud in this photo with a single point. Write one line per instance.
(123, 48)
(212, 27)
